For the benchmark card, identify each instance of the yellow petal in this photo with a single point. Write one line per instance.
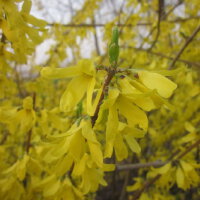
(135, 132)
(56, 73)
(96, 153)
(111, 131)
(180, 178)
(28, 103)
(133, 144)
(139, 98)
(77, 146)
(108, 167)
(186, 166)
(51, 188)
(90, 90)
(145, 103)
(164, 169)
(21, 169)
(87, 67)
(26, 6)
(133, 114)
(74, 93)
(189, 127)
(96, 101)
(127, 88)
(163, 85)
(34, 21)
(107, 103)
(63, 165)
(94, 145)
(121, 151)
(87, 131)
(79, 167)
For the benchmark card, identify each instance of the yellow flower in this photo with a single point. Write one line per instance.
(163, 85)
(83, 81)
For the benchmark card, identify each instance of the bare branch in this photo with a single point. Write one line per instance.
(172, 9)
(96, 40)
(179, 20)
(147, 184)
(184, 46)
(156, 163)
(92, 25)
(160, 15)
(29, 134)
(164, 56)
(107, 81)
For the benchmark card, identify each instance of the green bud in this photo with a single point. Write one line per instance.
(115, 35)
(114, 47)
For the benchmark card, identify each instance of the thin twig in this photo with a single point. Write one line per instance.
(19, 83)
(107, 81)
(28, 143)
(147, 184)
(92, 25)
(188, 149)
(160, 15)
(164, 56)
(179, 20)
(172, 9)
(96, 40)
(148, 36)
(156, 163)
(171, 58)
(184, 46)
(120, 11)
(4, 137)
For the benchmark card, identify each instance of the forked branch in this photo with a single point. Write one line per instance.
(147, 184)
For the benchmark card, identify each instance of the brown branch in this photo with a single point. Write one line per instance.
(4, 137)
(96, 40)
(184, 46)
(160, 15)
(163, 56)
(188, 149)
(126, 180)
(179, 20)
(156, 163)
(172, 9)
(120, 11)
(171, 58)
(19, 83)
(148, 36)
(28, 143)
(99, 25)
(107, 81)
(147, 184)
(92, 25)
(3, 38)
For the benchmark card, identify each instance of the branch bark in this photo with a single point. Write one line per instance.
(156, 163)
(96, 40)
(164, 56)
(28, 143)
(107, 81)
(92, 25)
(147, 184)
(160, 16)
(189, 40)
